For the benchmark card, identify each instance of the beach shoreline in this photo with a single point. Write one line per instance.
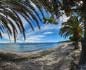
(57, 58)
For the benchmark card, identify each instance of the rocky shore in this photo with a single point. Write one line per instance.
(62, 57)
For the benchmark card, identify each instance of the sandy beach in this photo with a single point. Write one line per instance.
(57, 58)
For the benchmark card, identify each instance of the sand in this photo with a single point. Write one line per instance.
(57, 58)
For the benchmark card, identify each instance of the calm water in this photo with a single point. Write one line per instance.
(28, 47)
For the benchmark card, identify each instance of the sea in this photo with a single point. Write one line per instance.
(26, 47)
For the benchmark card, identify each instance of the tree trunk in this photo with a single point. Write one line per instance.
(83, 42)
(83, 53)
(76, 45)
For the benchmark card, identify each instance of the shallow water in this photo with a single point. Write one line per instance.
(26, 47)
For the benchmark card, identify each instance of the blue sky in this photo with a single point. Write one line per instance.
(47, 33)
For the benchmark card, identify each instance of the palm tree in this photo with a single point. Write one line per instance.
(49, 5)
(72, 29)
(11, 12)
(69, 7)
(55, 6)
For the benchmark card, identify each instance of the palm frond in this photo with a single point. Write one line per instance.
(72, 28)
(10, 19)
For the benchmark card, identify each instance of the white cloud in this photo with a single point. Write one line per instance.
(49, 26)
(45, 33)
(5, 35)
(63, 18)
(44, 27)
(37, 36)
(34, 38)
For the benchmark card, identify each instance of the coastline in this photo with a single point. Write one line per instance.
(63, 43)
(57, 58)
(58, 44)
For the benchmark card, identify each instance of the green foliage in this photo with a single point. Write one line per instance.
(72, 29)
(51, 20)
(11, 8)
(11, 12)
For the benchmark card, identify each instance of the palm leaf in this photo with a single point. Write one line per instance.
(72, 28)
(10, 11)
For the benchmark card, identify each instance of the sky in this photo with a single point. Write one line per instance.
(47, 33)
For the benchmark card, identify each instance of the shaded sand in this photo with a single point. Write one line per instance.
(58, 58)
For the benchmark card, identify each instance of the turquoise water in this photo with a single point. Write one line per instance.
(28, 47)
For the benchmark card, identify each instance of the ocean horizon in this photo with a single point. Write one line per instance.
(25, 47)
(28, 47)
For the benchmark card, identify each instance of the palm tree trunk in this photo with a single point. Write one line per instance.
(76, 45)
(83, 53)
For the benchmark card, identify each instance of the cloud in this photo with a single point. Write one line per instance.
(62, 19)
(7, 37)
(49, 26)
(46, 33)
(39, 35)
(34, 38)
